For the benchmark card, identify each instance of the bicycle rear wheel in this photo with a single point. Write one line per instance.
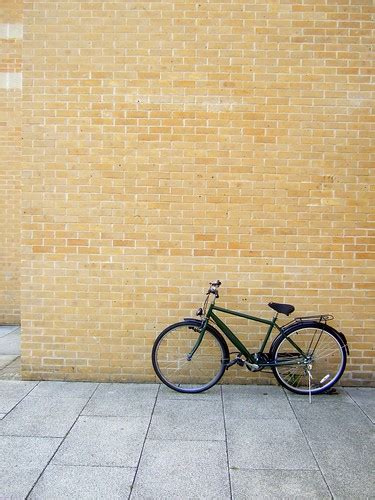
(171, 362)
(321, 367)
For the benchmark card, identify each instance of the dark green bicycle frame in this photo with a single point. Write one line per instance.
(236, 342)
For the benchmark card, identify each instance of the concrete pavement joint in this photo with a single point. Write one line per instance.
(226, 445)
(359, 406)
(96, 466)
(10, 362)
(273, 469)
(189, 440)
(62, 441)
(20, 401)
(308, 443)
(144, 443)
(31, 436)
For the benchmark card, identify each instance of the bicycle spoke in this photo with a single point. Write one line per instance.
(177, 369)
(326, 360)
(326, 354)
(317, 342)
(174, 361)
(311, 342)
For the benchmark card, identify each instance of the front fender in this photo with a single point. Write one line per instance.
(198, 322)
(203, 323)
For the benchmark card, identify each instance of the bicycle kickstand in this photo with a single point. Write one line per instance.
(310, 377)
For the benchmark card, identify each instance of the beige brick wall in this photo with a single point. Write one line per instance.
(10, 158)
(170, 143)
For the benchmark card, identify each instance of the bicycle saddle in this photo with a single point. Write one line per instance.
(281, 308)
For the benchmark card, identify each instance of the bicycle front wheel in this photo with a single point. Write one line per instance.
(319, 367)
(184, 373)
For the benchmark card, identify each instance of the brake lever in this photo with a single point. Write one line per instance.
(213, 290)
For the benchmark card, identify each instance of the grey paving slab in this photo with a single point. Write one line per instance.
(17, 481)
(348, 484)
(60, 482)
(268, 444)
(200, 419)
(182, 469)
(248, 391)
(42, 417)
(6, 329)
(64, 389)
(15, 389)
(10, 344)
(342, 439)
(105, 441)
(335, 421)
(213, 393)
(123, 400)
(349, 449)
(350, 478)
(365, 398)
(256, 402)
(338, 395)
(11, 392)
(12, 371)
(22, 459)
(27, 451)
(127, 390)
(6, 359)
(99, 456)
(278, 484)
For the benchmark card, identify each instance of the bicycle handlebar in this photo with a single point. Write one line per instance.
(214, 285)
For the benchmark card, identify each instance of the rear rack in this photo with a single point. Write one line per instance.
(321, 318)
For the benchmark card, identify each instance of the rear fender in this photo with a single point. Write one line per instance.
(340, 334)
(287, 329)
(343, 338)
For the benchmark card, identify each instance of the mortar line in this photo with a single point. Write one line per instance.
(143, 446)
(62, 441)
(308, 443)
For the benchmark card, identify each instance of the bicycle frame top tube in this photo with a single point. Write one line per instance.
(231, 336)
(213, 307)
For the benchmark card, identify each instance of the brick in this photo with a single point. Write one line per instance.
(10, 159)
(165, 147)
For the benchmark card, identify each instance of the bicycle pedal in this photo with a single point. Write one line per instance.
(252, 366)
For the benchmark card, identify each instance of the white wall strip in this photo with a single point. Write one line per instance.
(10, 81)
(11, 31)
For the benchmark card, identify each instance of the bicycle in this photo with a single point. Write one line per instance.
(307, 356)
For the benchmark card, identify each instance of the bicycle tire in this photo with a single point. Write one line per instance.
(327, 352)
(204, 370)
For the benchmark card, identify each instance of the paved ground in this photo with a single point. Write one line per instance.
(63, 440)
(10, 352)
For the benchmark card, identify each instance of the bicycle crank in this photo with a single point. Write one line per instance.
(252, 366)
